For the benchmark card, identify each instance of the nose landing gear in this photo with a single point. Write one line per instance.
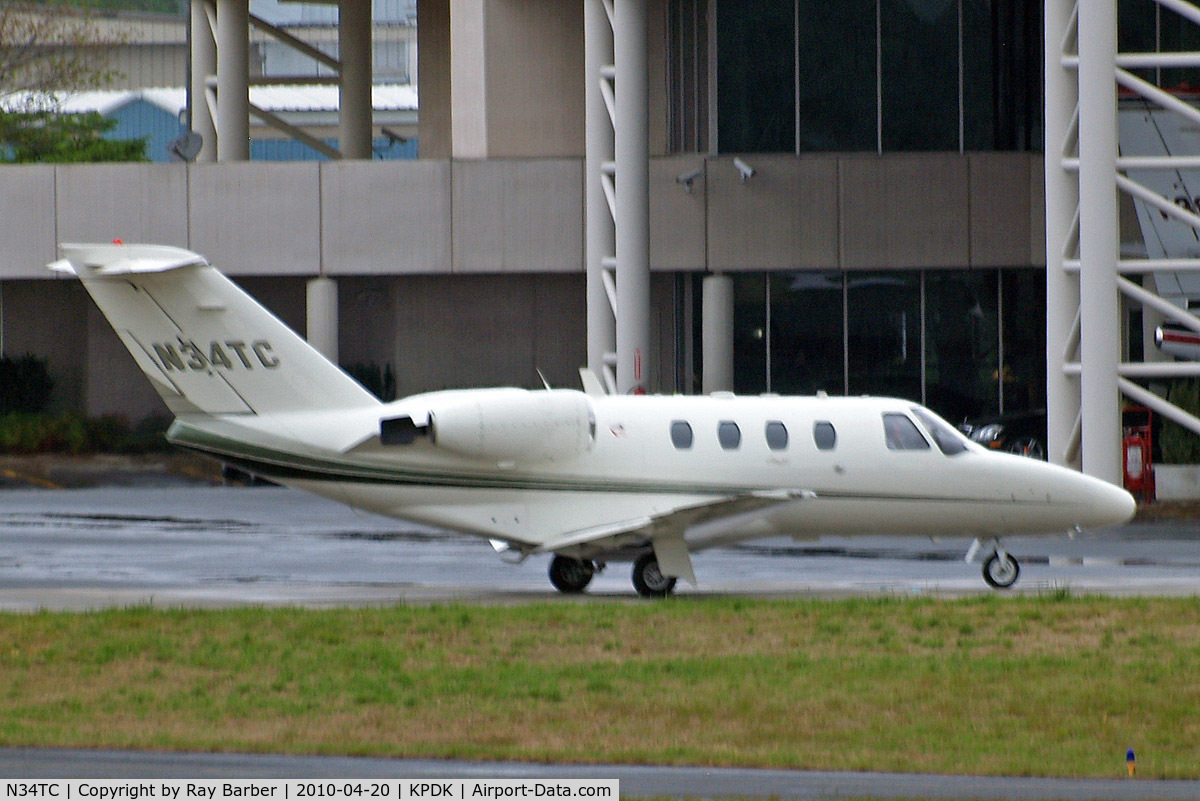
(1000, 568)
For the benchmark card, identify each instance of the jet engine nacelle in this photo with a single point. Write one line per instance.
(515, 425)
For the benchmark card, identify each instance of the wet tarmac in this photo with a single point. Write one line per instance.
(187, 544)
(195, 545)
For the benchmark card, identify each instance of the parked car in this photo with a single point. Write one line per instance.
(1023, 433)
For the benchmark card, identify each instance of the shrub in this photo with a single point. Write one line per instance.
(72, 433)
(1180, 445)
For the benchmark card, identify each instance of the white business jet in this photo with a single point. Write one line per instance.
(589, 477)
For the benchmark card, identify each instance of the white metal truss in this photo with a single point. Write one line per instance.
(1085, 289)
(617, 193)
(219, 49)
(600, 193)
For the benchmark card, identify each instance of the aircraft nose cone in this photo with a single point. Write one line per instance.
(1107, 505)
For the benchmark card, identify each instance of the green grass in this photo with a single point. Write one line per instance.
(1016, 686)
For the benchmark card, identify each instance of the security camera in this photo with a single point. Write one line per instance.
(687, 178)
(745, 169)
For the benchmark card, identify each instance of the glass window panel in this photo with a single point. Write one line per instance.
(756, 76)
(777, 435)
(949, 441)
(687, 76)
(806, 333)
(962, 343)
(835, 100)
(749, 334)
(901, 434)
(1178, 35)
(979, 86)
(1024, 312)
(824, 435)
(884, 316)
(1137, 24)
(919, 61)
(729, 435)
(681, 434)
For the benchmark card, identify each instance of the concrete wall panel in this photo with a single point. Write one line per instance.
(786, 216)
(131, 202)
(534, 68)
(1000, 220)
(677, 214)
(385, 217)
(114, 382)
(50, 320)
(487, 330)
(28, 226)
(1037, 211)
(257, 217)
(904, 210)
(518, 216)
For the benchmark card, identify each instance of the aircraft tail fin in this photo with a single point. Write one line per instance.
(205, 345)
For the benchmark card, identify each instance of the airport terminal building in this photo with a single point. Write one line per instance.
(844, 197)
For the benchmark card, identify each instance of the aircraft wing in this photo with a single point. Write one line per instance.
(665, 531)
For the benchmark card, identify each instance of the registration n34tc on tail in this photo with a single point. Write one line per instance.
(588, 477)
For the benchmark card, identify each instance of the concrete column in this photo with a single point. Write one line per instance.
(1099, 305)
(323, 317)
(203, 67)
(233, 80)
(354, 88)
(631, 143)
(1062, 198)
(716, 334)
(599, 239)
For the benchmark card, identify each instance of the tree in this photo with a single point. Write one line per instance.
(46, 49)
(50, 47)
(47, 136)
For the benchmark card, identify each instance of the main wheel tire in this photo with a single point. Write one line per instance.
(1001, 573)
(570, 575)
(648, 580)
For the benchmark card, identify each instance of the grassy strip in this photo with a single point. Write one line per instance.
(1017, 686)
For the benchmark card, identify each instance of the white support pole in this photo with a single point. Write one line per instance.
(631, 144)
(322, 296)
(204, 66)
(716, 334)
(354, 85)
(599, 240)
(233, 80)
(1100, 326)
(1062, 198)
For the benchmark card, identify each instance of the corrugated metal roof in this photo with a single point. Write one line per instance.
(283, 98)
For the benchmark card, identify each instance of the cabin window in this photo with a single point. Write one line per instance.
(902, 433)
(777, 435)
(729, 435)
(825, 435)
(681, 434)
(949, 441)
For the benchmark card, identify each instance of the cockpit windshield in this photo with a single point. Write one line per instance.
(949, 441)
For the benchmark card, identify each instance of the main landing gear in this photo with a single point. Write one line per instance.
(648, 580)
(572, 576)
(1000, 568)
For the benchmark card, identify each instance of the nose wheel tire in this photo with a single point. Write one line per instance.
(1001, 572)
(648, 580)
(570, 575)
